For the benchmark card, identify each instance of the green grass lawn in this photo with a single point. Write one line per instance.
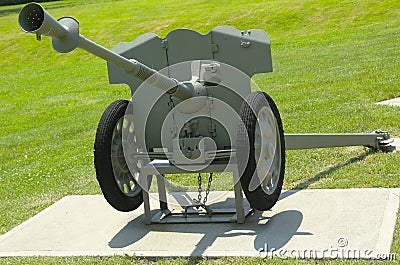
(332, 61)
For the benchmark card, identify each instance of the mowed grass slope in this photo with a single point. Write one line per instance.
(332, 61)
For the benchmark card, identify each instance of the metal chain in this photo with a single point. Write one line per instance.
(200, 190)
(208, 188)
(171, 103)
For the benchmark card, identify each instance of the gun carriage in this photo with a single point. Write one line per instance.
(192, 111)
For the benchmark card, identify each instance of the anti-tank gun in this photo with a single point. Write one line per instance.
(193, 109)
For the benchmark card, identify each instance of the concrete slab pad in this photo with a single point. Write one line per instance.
(396, 144)
(395, 102)
(348, 223)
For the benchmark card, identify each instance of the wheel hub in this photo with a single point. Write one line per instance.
(266, 150)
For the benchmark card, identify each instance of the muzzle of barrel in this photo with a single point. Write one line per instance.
(33, 18)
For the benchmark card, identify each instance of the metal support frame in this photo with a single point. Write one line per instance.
(164, 215)
(377, 140)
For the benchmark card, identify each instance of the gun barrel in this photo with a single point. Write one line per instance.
(33, 18)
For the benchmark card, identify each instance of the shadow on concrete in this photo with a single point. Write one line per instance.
(273, 232)
(278, 230)
(306, 183)
(270, 232)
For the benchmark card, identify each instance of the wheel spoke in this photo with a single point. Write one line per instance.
(122, 137)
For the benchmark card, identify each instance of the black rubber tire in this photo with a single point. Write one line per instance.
(102, 160)
(257, 198)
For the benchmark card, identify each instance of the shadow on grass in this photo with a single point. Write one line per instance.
(6, 12)
(48, 6)
(306, 183)
(59, 5)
